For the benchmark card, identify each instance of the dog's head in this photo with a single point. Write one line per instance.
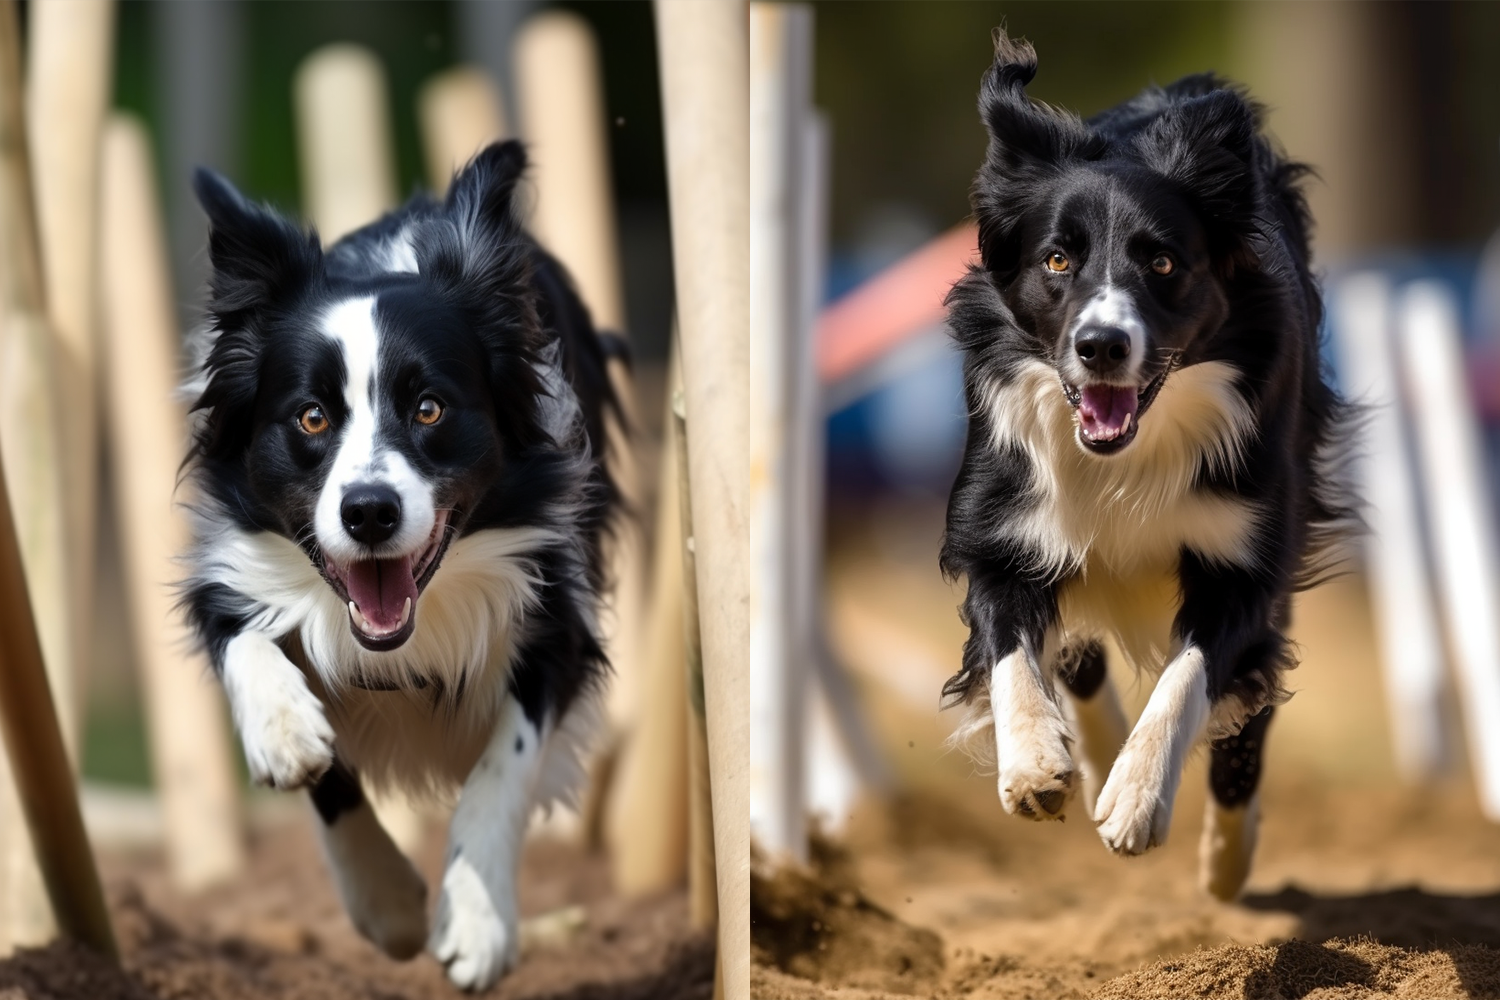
(1113, 245)
(366, 410)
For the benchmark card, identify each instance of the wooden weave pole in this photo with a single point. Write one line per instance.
(460, 113)
(31, 448)
(564, 121)
(703, 49)
(703, 896)
(189, 736)
(70, 58)
(649, 836)
(344, 139)
(44, 779)
(348, 180)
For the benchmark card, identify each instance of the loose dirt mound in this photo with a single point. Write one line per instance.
(1043, 911)
(815, 924)
(1333, 970)
(279, 931)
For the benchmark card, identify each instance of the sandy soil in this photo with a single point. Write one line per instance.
(1362, 887)
(280, 932)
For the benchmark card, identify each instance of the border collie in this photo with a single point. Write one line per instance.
(400, 497)
(1148, 428)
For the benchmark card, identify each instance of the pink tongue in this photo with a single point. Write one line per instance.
(1103, 409)
(380, 588)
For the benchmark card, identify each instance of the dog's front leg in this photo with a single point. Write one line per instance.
(1135, 807)
(1226, 611)
(1009, 617)
(476, 927)
(288, 741)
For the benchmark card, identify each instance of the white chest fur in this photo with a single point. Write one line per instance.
(1116, 525)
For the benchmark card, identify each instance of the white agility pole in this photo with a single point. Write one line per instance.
(31, 447)
(344, 139)
(780, 101)
(1461, 515)
(188, 732)
(1406, 619)
(70, 59)
(703, 49)
(348, 164)
(564, 120)
(459, 112)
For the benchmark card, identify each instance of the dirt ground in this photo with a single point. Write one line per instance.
(1363, 887)
(280, 932)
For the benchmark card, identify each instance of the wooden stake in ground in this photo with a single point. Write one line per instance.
(460, 113)
(348, 180)
(189, 737)
(703, 895)
(45, 782)
(565, 124)
(31, 449)
(70, 56)
(649, 836)
(704, 66)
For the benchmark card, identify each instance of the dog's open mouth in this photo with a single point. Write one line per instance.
(1110, 415)
(382, 593)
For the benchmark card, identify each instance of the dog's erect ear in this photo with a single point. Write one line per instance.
(1022, 131)
(479, 240)
(483, 193)
(1208, 145)
(258, 256)
(1028, 140)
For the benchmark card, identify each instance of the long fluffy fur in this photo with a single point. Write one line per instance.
(1225, 503)
(512, 606)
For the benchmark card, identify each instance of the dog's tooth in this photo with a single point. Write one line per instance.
(1126, 425)
(360, 622)
(405, 614)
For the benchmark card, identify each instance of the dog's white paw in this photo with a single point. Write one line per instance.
(475, 935)
(1037, 776)
(390, 910)
(288, 741)
(1135, 808)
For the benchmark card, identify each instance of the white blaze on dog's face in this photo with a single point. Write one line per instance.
(377, 520)
(1119, 288)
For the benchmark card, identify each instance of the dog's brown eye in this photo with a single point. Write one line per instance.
(1058, 262)
(313, 420)
(429, 410)
(1162, 264)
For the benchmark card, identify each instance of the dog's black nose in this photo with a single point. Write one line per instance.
(371, 513)
(1102, 348)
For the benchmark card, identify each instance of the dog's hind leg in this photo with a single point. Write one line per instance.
(383, 894)
(1094, 707)
(476, 930)
(1232, 816)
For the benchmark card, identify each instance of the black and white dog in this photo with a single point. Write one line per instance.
(1148, 429)
(401, 492)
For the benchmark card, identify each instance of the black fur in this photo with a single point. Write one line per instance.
(1184, 170)
(477, 318)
